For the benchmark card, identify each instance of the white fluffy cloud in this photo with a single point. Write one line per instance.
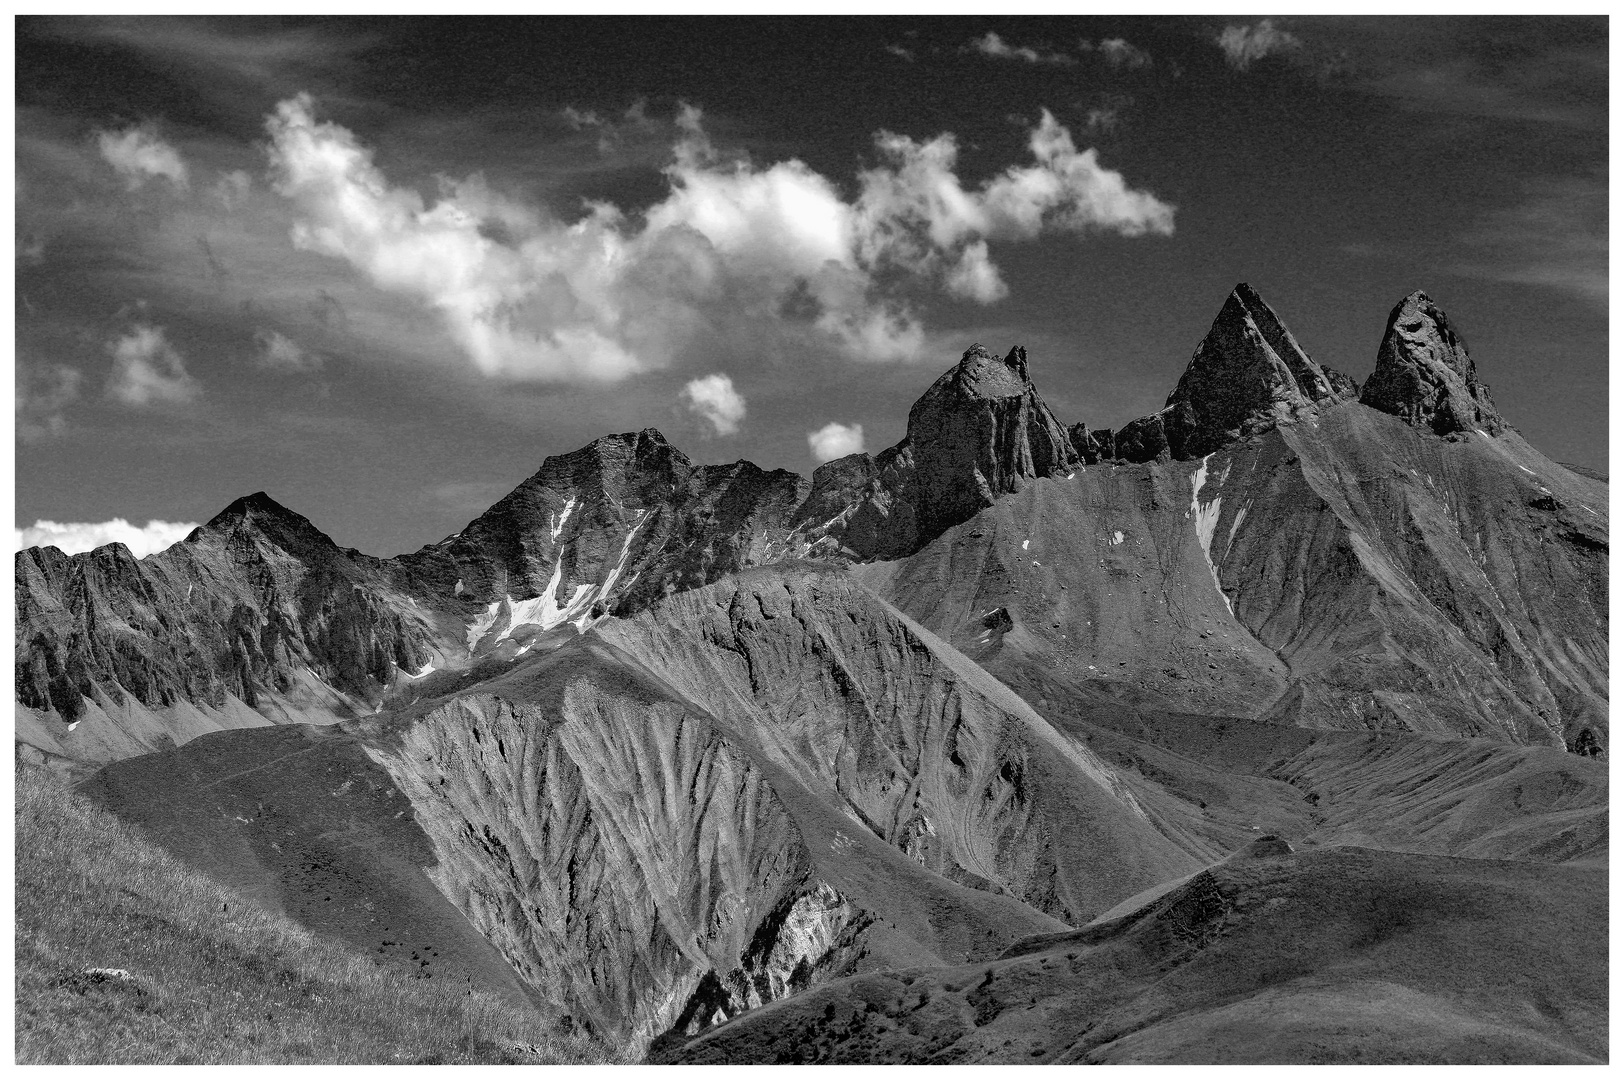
(835, 440)
(714, 398)
(990, 44)
(138, 155)
(975, 277)
(277, 352)
(77, 536)
(1245, 45)
(915, 209)
(526, 295)
(147, 370)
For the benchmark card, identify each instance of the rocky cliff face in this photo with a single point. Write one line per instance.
(613, 525)
(1424, 376)
(977, 433)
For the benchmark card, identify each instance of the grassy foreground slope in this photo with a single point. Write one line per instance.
(124, 955)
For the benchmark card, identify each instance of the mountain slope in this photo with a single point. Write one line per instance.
(1336, 954)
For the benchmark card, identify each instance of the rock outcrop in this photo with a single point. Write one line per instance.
(1424, 375)
(862, 507)
(977, 433)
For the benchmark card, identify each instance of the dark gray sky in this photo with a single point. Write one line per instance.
(383, 268)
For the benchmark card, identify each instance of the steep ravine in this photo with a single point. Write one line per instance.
(617, 852)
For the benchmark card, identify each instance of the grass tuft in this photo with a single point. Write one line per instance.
(127, 956)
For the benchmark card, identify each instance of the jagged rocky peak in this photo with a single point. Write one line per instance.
(259, 515)
(1424, 375)
(979, 431)
(1247, 375)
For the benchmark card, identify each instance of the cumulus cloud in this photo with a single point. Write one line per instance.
(526, 295)
(990, 44)
(139, 155)
(277, 352)
(835, 440)
(42, 396)
(1117, 52)
(975, 277)
(74, 537)
(900, 51)
(916, 208)
(714, 398)
(1245, 45)
(147, 370)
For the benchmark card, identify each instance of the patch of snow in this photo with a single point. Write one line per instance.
(1117, 538)
(1589, 511)
(1481, 432)
(419, 674)
(1236, 524)
(1526, 469)
(73, 725)
(458, 590)
(1025, 544)
(583, 621)
(558, 526)
(1206, 521)
(544, 610)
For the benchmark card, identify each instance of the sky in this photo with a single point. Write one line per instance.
(383, 268)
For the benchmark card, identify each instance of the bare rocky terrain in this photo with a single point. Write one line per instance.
(1269, 727)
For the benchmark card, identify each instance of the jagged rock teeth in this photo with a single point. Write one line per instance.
(1424, 375)
(978, 432)
(1092, 446)
(1144, 439)
(1247, 375)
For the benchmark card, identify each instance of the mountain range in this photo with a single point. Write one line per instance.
(907, 760)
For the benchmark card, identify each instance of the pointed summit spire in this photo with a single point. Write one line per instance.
(1247, 374)
(1424, 375)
